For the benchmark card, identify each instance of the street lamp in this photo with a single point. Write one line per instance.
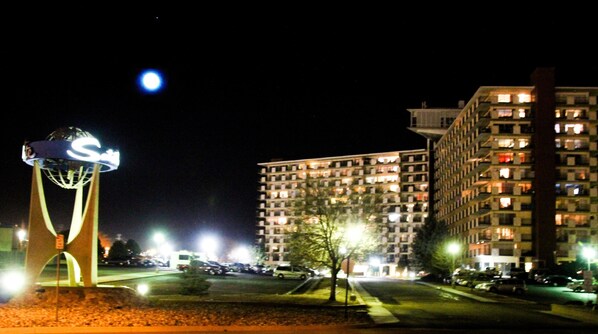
(21, 234)
(353, 234)
(209, 245)
(453, 249)
(160, 240)
(589, 253)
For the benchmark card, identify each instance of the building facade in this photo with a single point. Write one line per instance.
(515, 175)
(401, 176)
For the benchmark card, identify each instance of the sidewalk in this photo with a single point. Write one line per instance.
(111, 278)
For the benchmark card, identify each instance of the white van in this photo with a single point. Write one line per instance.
(287, 271)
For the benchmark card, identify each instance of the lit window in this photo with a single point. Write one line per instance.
(521, 113)
(573, 113)
(505, 158)
(505, 202)
(394, 188)
(522, 158)
(506, 143)
(282, 220)
(524, 98)
(284, 194)
(505, 112)
(504, 98)
(504, 172)
(505, 233)
(523, 143)
(273, 194)
(577, 128)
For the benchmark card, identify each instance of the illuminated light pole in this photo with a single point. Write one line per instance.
(353, 235)
(589, 254)
(21, 234)
(159, 239)
(453, 249)
(209, 245)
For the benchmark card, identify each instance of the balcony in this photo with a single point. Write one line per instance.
(481, 196)
(483, 210)
(482, 108)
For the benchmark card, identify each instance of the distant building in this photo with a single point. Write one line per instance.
(12, 248)
(402, 176)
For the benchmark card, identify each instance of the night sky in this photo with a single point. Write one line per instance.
(241, 90)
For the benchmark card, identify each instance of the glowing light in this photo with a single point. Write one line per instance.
(151, 81)
(13, 281)
(159, 238)
(79, 146)
(142, 289)
(241, 254)
(209, 245)
(21, 234)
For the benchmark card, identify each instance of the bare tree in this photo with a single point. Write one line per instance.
(332, 224)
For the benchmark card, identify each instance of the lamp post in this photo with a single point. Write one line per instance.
(347, 287)
(453, 249)
(589, 254)
(21, 234)
(353, 234)
(159, 239)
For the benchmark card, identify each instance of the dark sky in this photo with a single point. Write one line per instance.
(244, 89)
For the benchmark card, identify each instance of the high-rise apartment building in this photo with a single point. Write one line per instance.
(400, 176)
(514, 177)
(516, 174)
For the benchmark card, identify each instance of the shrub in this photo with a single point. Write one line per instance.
(194, 284)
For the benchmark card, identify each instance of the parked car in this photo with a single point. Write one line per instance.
(223, 269)
(504, 285)
(284, 271)
(312, 272)
(556, 280)
(518, 273)
(577, 285)
(476, 278)
(200, 267)
(117, 262)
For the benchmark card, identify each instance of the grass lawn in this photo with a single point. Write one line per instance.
(169, 287)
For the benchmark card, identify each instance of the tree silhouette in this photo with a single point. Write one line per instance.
(118, 251)
(133, 248)
(325, 217)
(429, 246)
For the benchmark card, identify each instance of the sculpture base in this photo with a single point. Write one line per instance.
(111, 297)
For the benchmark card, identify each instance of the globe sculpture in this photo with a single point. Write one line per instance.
(66, 173)
(72, 159)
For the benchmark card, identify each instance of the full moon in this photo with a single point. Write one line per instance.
(151, 81)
